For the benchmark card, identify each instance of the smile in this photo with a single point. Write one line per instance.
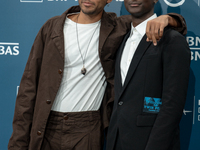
(134, 4)
(87, 4)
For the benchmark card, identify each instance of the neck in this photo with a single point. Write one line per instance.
(85, 18)
(137, 20)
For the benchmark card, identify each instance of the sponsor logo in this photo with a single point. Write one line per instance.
(181, 2)
(9, 48)
(194, 44)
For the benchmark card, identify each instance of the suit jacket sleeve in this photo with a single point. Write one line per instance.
(25, 102)
(176, 65)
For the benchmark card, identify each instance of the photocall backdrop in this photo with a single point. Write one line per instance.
(20, 21)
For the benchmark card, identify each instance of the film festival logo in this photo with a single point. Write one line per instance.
(9, 48)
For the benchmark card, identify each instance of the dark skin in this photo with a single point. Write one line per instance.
(140, 10)
(91, 11)
(155, 27)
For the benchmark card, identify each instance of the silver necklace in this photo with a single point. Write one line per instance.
(83, 70)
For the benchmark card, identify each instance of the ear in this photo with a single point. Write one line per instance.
(108, 1)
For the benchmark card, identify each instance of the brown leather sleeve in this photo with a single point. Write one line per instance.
(25, 102)
(181, 21)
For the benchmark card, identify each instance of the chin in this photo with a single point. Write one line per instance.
(88, 12)
(135, 14)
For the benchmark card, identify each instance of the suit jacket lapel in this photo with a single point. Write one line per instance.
(57, 34)
(118, 79)
(141, 49)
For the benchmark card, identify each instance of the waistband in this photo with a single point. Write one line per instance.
(75, 116)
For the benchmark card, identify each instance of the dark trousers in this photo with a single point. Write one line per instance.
(73, 131)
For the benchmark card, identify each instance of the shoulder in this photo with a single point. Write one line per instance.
(57, 22)
(125, 18)
(173, 43)
(171, 36)
(114, 16)
(122, 19)
(122, 22)
(111, 15)
(51, 23)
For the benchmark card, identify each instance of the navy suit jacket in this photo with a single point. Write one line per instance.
(159, 72)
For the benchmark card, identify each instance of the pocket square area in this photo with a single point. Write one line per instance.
(152, 104)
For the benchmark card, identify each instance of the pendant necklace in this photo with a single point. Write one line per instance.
(83, 70)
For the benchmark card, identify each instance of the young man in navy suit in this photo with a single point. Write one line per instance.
(150, 86)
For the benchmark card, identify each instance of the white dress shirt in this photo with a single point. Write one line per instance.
(131, 45)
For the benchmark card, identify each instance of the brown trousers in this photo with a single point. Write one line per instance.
(73, 131)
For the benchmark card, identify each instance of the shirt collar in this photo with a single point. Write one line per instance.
(140, 28)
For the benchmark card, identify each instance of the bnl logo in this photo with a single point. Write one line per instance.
(194, 44)
(9, 48)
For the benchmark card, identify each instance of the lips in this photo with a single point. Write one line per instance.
(134, 4)
(86, 3)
